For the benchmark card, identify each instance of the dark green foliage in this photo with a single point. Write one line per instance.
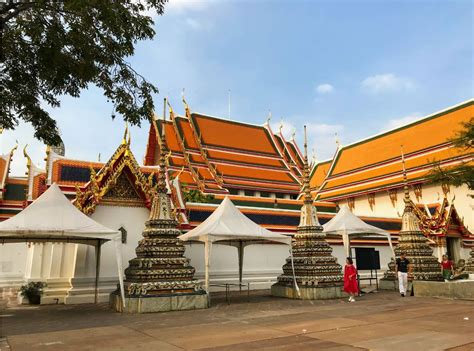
(195, 195)
(33, 291)
(463, 173)
(50, 48)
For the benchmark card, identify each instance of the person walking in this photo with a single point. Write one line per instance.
(350, 280)
(402, 264)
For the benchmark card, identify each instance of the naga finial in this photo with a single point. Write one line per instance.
(269, 117)
(125, 134)
(186, 107)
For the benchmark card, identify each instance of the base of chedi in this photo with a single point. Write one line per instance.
(150, 304)
(314, 273)
(470, 263)
(413, 243)
(317, 273)
(160, 278)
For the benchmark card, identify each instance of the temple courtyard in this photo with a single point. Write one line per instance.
(377, 321)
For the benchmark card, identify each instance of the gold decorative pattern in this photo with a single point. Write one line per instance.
(371, 200)
(392, 193)
(417, 188)
(111, 176)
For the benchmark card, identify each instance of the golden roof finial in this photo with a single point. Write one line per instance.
(293, 134)
(171, 109)
(269, 117)
(338, 143)
(280, 127)
(186, 107)
(28, 158)
(125, 134)
(12, 151)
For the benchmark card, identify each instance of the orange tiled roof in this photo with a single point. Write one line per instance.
(319, 173)
(375, 163)
(220, 154)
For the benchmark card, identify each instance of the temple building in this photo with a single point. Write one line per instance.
(208, 158)
(366, 176)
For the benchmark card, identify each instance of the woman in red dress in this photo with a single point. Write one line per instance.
(350, 280)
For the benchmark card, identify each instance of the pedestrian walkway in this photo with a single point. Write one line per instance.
(377, 321)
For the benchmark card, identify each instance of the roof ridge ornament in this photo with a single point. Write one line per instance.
(186, 106)
(269, 118)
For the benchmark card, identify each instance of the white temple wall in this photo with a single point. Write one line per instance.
(430, 194)
(132, 219)
(12, 264)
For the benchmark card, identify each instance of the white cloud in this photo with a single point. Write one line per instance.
(386, 82)
(197, 25)
(324, 88)
(187, 5)
(322, 139)
(398, 122)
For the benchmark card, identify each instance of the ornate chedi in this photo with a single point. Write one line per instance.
(160, 278)
(412, 241)
(470, 263)
(314, 273)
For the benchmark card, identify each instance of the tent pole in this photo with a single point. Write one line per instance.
(240, 250)
(207, 263)
(293, 270)
(118, 257)
(97, 270)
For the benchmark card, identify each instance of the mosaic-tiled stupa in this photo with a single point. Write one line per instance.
(316, 271)
(412, 241)
(470, 263)
(160, 278)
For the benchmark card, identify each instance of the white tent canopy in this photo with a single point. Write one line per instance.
(53, 218)
(348, 225)
(227, 225)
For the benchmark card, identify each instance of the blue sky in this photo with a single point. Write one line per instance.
(355, 68)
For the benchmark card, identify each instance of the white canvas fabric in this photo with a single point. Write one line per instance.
(228, 223)
(348, 225)
(228, 226)
(53, 218)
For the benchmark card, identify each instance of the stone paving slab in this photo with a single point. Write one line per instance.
(425, 340)
(382, 321)
(213, 335)
(106, 338)
(296, 342)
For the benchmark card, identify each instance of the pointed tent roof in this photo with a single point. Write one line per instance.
(227, 223)
(52, 217)
(347, 222)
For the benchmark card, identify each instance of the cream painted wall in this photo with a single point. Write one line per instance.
(12, 263)
(430, 194)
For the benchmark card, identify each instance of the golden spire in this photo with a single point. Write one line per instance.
(306, 187)
(308, 216)
(161, 204)
(410, 222)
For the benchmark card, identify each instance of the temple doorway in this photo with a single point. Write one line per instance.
(453, 248)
